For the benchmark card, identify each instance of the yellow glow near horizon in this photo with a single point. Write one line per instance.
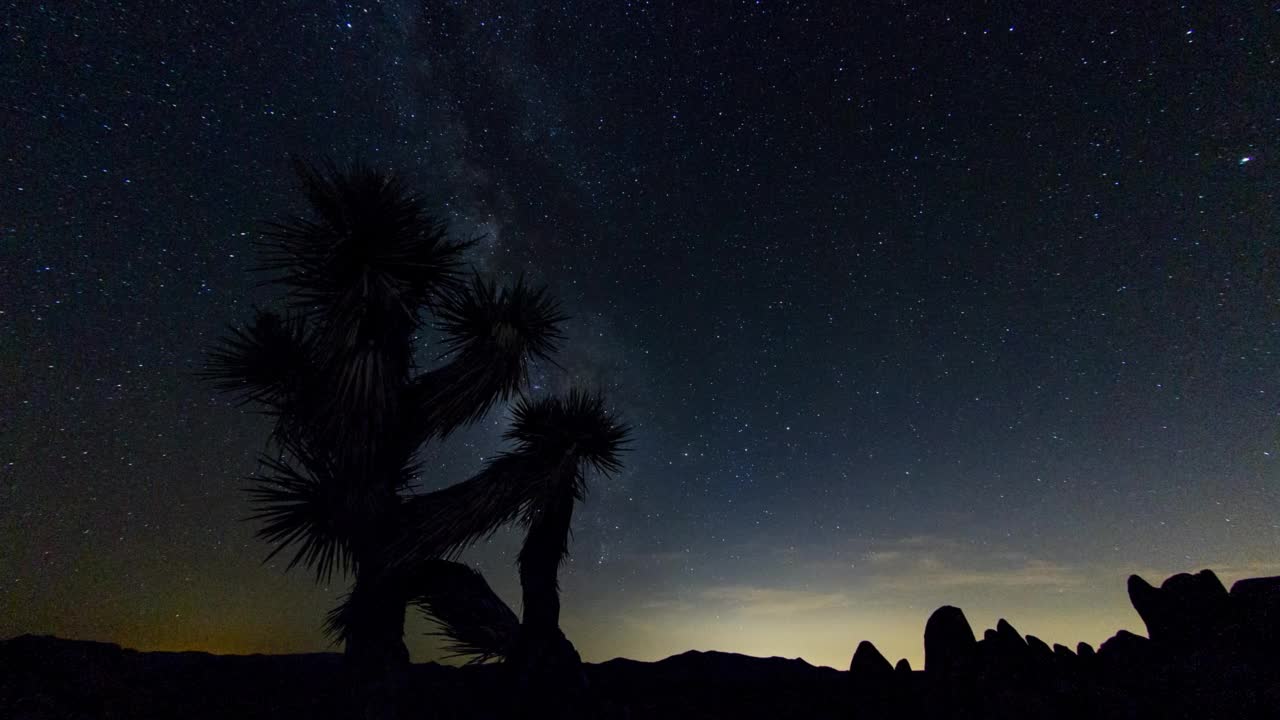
(821, 622)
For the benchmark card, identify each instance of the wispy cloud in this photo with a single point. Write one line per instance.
(656, 558)
(933, 573)
(753, 600)
(667, 605)
(884, 557)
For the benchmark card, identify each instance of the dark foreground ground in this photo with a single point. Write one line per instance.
(1209, 653)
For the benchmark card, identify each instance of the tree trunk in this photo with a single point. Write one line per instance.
(375, 634)
(548, 670)
(375, 637)
(540, 557)
(376, 655)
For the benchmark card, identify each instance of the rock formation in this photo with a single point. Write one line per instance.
(1185, 610)
(868, 662)
(948, 640)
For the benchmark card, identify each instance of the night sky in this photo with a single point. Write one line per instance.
(908, 305)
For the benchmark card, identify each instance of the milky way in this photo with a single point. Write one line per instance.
(907, 306)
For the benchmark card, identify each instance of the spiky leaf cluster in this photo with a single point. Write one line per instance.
(360, 268)
(303, 509)
(369, 257)
(491, 335)
(263, 362)
(577, 424)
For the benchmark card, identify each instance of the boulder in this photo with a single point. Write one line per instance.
(1084, 650)
(1005, 644)
(1064, 660)
(1003, 652)
(1007, 634)
(1125, 648)
(1186, 610)
(872, 679)
(903, 667)
(1250, 588)
(1039, 648)
(948, 640)
(1257, 603)
(869, 663)
(1256, 621)
(1143, 597)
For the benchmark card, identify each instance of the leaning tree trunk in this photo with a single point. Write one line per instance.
(548, 671)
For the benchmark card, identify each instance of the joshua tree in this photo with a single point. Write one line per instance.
(336, 370)
(557, 441)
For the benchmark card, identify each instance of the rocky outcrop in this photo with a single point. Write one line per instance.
(1210, 653)
(1125, 647)
(1038, 651)
(1261, 587)
(869, 663)
(1256, 608)
(1193, 619)
(1007, 638)
(948, 640)
(1185, 610)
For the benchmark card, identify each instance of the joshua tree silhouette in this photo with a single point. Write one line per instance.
(337, 372)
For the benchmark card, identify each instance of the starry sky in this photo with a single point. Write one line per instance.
(909, 304)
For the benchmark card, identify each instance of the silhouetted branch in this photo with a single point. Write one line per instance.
(306, 509)
(476, 622)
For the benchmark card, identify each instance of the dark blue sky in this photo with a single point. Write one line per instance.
(908, 305)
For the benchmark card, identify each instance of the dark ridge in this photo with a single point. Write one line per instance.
(1214, 657)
